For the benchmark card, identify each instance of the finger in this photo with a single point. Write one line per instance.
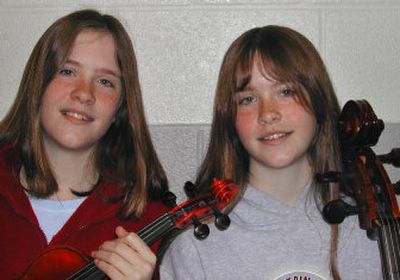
(110, 262)
(119, 252)
(135, 242)
(114, 265)
(111, 271)
(120, 231)
(117, 249)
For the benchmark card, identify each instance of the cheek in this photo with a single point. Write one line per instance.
(109, 104)
(48, 101)
(244, 124)
(308, 124)
(54, 92)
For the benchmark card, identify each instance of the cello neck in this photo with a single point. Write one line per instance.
(389, 244)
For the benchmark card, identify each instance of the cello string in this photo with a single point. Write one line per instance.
(383, 244)
(396, 244)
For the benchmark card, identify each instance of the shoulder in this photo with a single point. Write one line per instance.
(154, 209)
(9, 159)
(186, 248)
(5, 148)
(182, 259)
(184, 241)
(6, 151)
(8, 164)
(357, 254)
(350, 232)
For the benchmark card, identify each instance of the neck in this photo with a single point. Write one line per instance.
(284, 184)
(73, 170)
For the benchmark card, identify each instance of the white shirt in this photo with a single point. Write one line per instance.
(53, 214)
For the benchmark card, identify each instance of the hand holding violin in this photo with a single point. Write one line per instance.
(127, 257)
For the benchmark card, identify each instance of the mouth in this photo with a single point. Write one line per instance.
(78, 116)
(274, 136)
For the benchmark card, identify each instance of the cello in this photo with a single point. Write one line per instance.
(364, 179)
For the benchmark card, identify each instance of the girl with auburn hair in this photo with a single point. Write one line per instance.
(274, 127)
(77, 164)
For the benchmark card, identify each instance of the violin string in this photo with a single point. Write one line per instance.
(85, 272)
(155, 228)
(149, 234)
(153, 224)
(158, 233)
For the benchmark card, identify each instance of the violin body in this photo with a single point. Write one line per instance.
(55, 263)
(67, 263)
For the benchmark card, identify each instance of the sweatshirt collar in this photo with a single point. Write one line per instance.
(257, 209)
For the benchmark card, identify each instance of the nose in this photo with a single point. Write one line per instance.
(269, 112)
(83, 92)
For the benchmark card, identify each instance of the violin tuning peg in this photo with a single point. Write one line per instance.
(201, 231)
(328, 177)
(169, 199)
(222, 221)
(190, 189)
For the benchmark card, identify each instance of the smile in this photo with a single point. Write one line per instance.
(274, 136)
(76, 116)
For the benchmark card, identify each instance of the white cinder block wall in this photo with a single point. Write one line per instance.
(180, 44)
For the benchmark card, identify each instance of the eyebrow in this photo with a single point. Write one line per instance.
(243, 84)
(101, 70)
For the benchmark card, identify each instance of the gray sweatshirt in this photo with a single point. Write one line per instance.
(269, 240)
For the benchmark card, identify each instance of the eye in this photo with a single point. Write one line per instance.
(247, 100)
(287, 92)
(65, 72)
(106, 83)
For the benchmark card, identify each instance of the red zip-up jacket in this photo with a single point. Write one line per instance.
(21, 238)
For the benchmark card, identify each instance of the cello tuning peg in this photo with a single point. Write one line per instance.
(396, 187)
(190, 189)
(337, 210)
(392, 158)
(222, 221)
(201, 231)
(328, 177)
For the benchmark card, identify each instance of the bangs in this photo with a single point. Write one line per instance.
(272, 67)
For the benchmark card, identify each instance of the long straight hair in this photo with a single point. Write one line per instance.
(288, 57)
(125, 155)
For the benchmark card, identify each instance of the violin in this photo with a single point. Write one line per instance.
(364, 178)
(68, 263)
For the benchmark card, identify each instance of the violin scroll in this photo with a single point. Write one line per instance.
(222, 194)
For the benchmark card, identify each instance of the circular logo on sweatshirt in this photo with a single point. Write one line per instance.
(300, 275)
